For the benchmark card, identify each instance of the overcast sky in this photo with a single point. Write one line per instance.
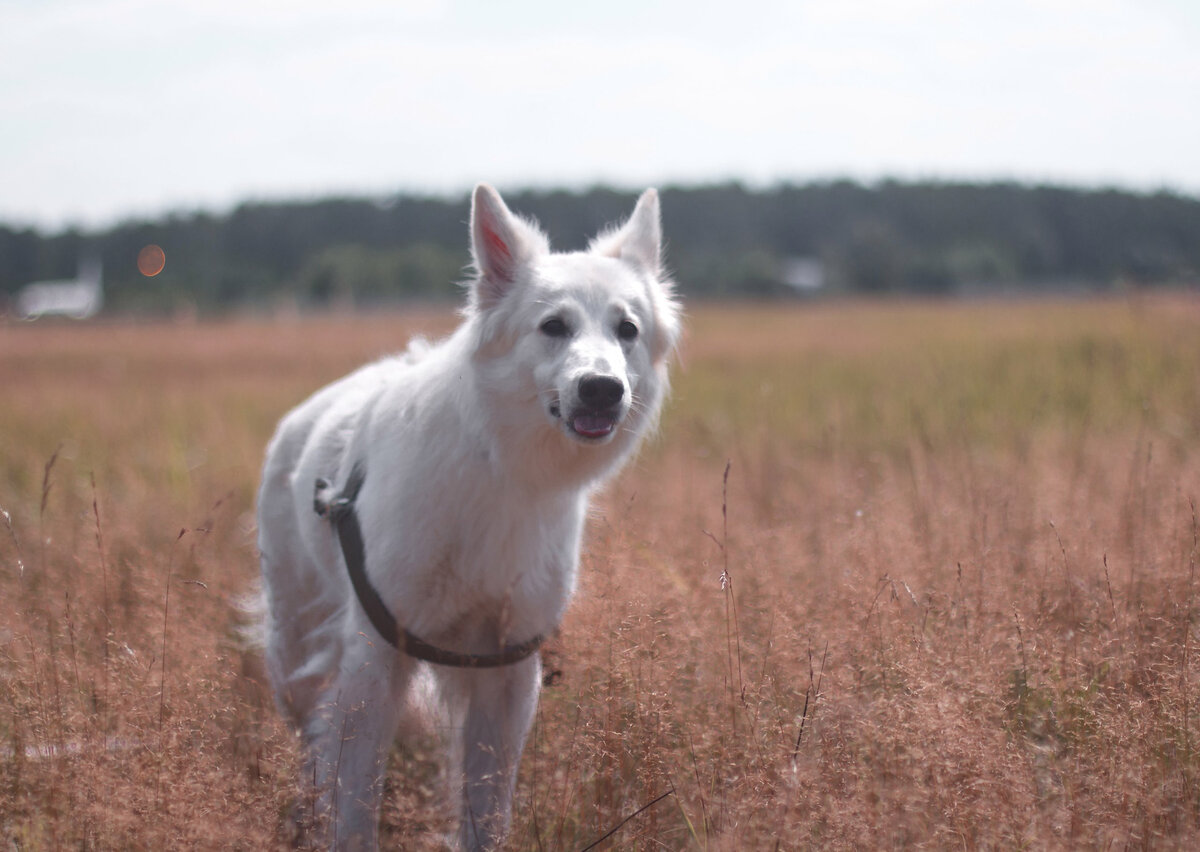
(111, 109)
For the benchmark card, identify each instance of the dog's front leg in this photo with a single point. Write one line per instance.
(348, 747)
(500, 708)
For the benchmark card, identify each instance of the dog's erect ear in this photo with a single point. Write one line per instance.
(501, 244)
(638, 241)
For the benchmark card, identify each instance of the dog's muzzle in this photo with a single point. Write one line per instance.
(598, 408)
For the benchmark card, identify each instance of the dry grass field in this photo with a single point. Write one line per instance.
(945, 598)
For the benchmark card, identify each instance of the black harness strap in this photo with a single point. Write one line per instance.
(340, 512)
(414, 646)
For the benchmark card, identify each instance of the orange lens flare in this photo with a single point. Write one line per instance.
(151, 260)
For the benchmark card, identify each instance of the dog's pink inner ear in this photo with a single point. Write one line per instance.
(498, 260)
(502, 245)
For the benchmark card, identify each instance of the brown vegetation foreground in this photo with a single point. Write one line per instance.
(948, 598)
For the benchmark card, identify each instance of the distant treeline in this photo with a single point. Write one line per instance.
(722, 241)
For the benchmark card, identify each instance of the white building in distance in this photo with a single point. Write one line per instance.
(78, 298)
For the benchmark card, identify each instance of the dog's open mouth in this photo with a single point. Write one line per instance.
(593, 425)
(587, 424)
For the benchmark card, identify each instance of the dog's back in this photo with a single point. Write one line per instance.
(304, 597)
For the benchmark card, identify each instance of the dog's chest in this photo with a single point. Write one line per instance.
(515, 569)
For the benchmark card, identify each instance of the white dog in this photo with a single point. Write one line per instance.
(429, 507)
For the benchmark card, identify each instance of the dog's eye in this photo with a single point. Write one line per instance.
(627, 330)
(554, 327)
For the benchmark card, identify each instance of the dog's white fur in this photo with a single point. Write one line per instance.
(480, 454)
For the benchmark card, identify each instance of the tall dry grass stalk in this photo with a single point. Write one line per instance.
(964, 540)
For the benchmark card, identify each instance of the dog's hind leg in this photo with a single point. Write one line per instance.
(500, 706)
(348, 741)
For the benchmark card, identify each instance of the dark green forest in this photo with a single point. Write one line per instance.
(723, 241)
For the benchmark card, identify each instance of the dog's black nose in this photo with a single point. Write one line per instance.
(597, 392)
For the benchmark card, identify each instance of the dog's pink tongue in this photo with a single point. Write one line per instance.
(592, 425)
